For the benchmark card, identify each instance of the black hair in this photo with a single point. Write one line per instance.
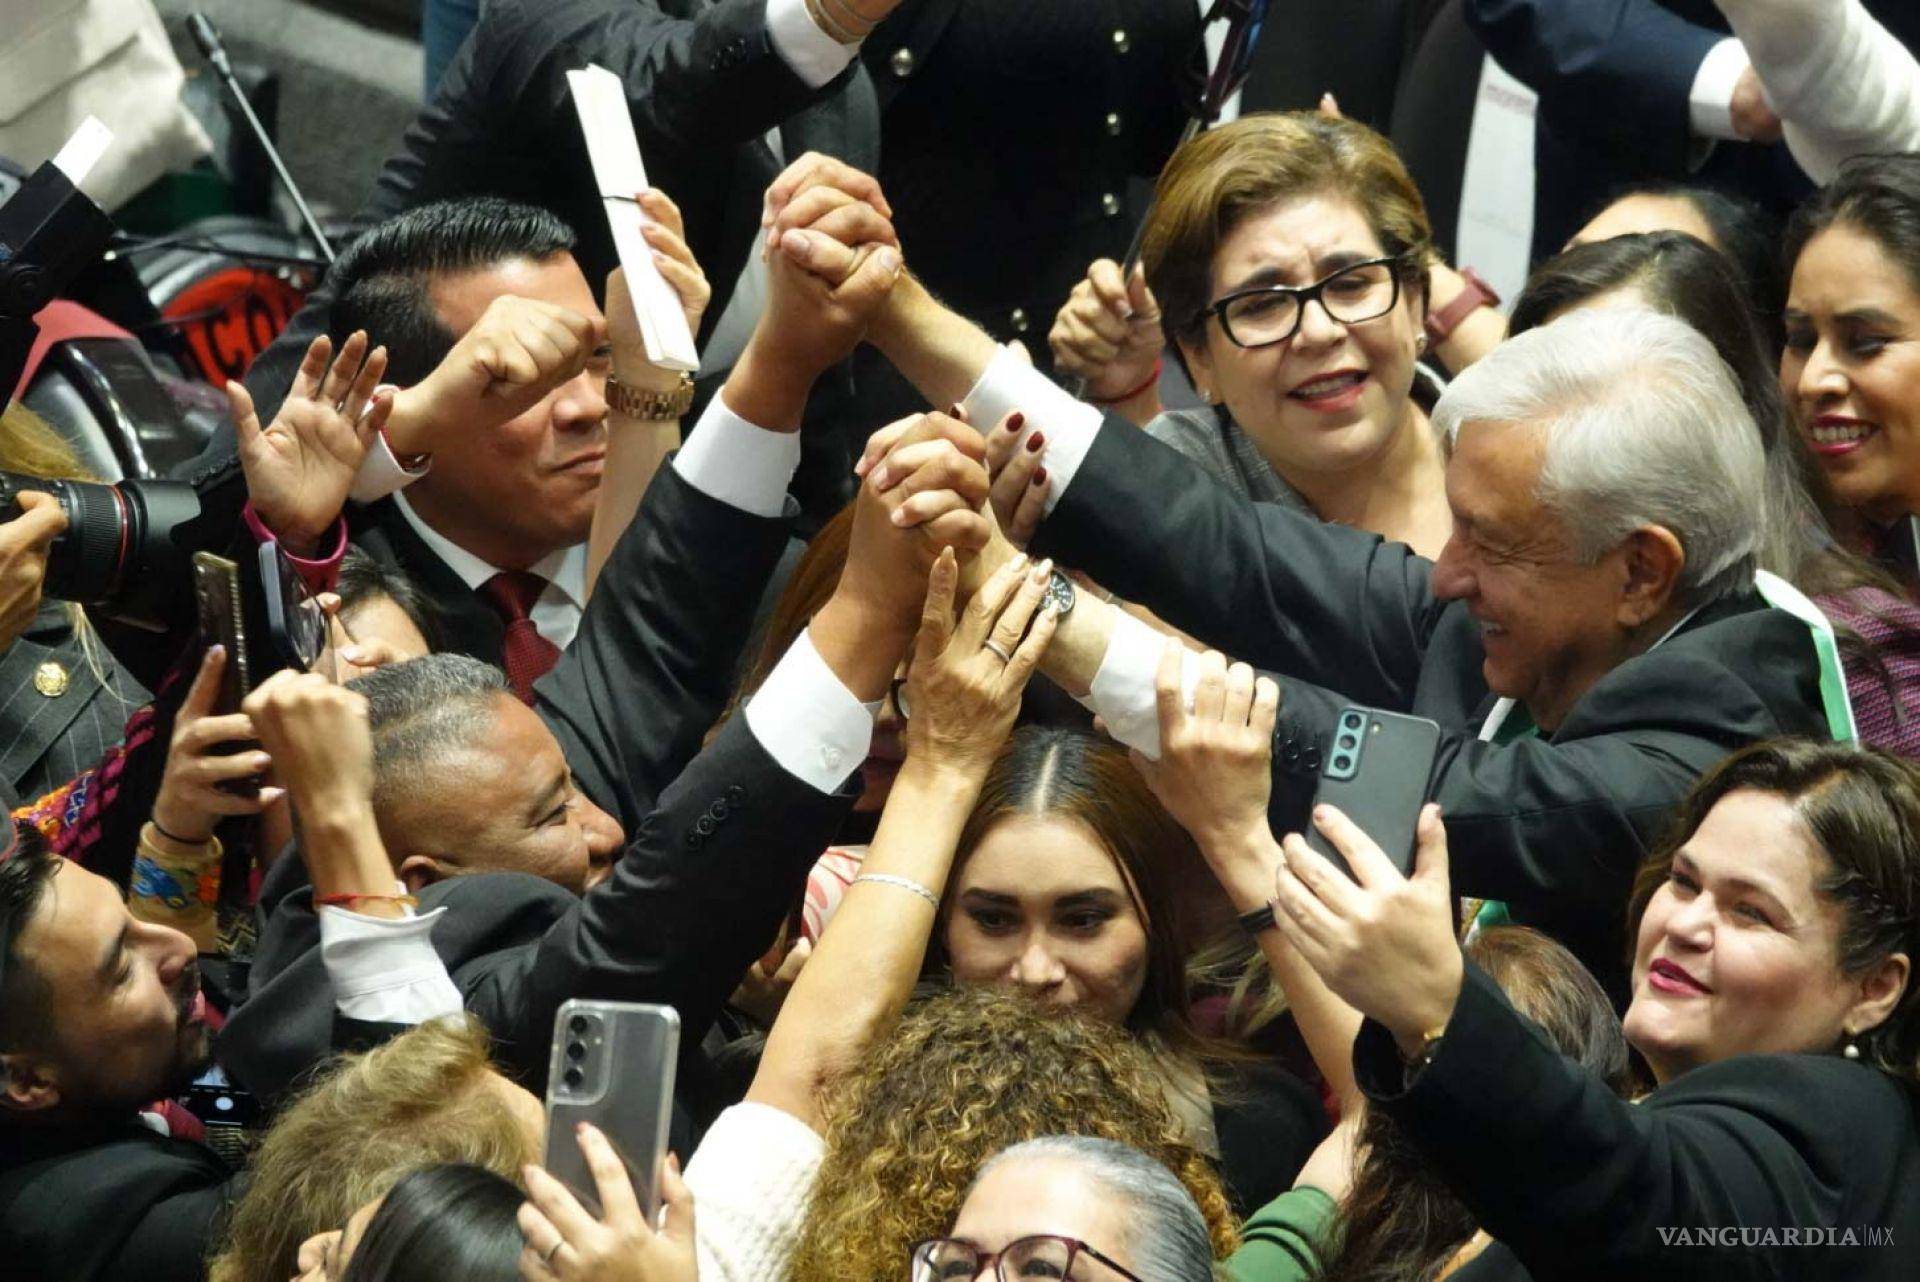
(365, 578)
(1750, 238)
(380, 281)
(443, 1222)
(26, 1007)
(1880, 195)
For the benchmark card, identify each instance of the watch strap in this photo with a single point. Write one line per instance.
(1476, 294)
(650, 406)
(1258, 921)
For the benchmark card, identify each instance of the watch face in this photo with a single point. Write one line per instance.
(1060, 593)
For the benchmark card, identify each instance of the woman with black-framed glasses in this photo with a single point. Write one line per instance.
(1287, 257)
(1071, 1209)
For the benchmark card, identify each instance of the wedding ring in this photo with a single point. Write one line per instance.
(546, 1256)
(1004, 655)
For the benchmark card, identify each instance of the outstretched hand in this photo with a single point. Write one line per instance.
(1214, 773)
(1382, 941)
(300, 468)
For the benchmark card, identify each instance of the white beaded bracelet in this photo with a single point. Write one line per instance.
(905, 883)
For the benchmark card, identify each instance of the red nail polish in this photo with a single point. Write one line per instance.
(1016, 421)
(1039, 476)
(1035, 441)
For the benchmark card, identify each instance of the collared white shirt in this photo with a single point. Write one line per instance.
(556, 615)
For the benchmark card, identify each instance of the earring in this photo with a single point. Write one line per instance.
(1852, 1050)
(1419, 344)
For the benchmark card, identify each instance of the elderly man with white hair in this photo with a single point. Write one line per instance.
(1590, 640)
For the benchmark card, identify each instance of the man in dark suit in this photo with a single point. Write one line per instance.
(1589, 642)
(102, 1016)
(684, 885)
(1642, 90)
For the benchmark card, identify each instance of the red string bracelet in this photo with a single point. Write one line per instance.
(348, 901)
(1124, 397)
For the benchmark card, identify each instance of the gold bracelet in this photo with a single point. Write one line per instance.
(650, 406)
(861, 22)
(833, 30)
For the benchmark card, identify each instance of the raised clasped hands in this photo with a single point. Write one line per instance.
(968, 672)
(1383, 942)
(300, 468)
(832, 261)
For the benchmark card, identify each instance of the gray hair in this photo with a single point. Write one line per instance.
(1645, 425)
(1168, 1240)
(423, 711)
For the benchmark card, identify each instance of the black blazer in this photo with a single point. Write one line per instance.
(113, 1201)
(1554, 826)
(1575, 1183)
(705, 84)
(1615, 78)
(715, 859)
(52, 729)
(461, 621)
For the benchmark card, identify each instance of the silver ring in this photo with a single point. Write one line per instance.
(546, 1256)
(998, 649)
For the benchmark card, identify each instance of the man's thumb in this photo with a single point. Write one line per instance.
(819, 254)
(873, 276)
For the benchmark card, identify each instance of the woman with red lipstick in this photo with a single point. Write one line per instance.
(1851, 370)
(1772, 1005)
(1287, 256)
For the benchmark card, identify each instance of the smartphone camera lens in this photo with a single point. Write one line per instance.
(573, 1077)
(578, 1026)
(1343, 761)
(1349, 742)
(576, 1051)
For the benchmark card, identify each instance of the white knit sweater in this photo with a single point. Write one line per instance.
(752, 1178)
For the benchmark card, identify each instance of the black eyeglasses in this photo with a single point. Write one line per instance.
(1045, 1257)
(1272, 313)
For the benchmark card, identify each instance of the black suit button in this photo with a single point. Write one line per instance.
(901, 63)
(1311, 760)
(1290, 753)
(735, 794)
(704, 825)
(717, 811)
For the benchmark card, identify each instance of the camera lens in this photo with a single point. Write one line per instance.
(576, 1050)
(578, 1026)
(573, 1077)
(1349, 742)
(1343, 762)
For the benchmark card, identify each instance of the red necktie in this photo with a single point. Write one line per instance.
(529, 656)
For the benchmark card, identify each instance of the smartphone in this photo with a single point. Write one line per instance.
(223, 621)
(1378, 773)
(612, 1064)
(296, 625)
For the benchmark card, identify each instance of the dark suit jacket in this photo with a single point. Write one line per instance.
(705, 84)
(714, 862)
(1574, 1183)
(1614, 79)
(462, 621)
(48, 738)
(113, 1201)
(1555, 826)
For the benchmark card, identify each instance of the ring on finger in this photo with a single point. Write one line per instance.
(546, 1256)
(1001, 652)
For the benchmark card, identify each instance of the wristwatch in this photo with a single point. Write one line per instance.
(1415, 1064)
(1060, 594)
(1477, 294)
(633, 402)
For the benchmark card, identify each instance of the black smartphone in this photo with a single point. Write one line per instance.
(296, 625)
(1378, 773)
(221, 600)
(613, 1065)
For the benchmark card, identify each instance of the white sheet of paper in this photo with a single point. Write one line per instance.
(83, 151)
(601, 102)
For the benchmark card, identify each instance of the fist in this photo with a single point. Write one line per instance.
(925, 493)
(1109, 331)
(318, 736)
(518, 352)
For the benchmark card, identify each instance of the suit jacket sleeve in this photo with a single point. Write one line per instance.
(1278, 589)
(1616, 73)
(1579, 1183)
(696, 897)
(654, 660)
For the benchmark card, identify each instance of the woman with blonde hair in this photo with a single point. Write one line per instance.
(429, 1095)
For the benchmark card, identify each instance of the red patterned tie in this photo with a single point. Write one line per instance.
(529, 656)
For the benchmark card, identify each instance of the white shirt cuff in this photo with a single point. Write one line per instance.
(1123, 693)
(809, 721)
(1710, 103)
(1009, 384)
(815, 56)
(732, 460)
(385, 970)
(380, 472)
